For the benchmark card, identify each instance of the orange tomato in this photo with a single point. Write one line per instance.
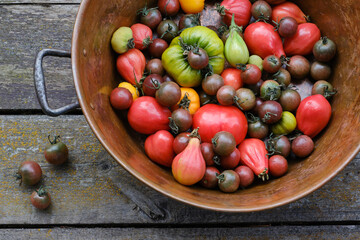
(194, 98)
(192, 6)
(134, 92)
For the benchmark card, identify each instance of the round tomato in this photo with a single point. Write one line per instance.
(189, 100)
(142, 35)
(159, 147)
(192, 6)
(211, 119)
(147, 116)
(285, 125)
(134, 92)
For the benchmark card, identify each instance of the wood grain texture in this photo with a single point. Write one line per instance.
(93, 189)
(26, 29)
(351, 232)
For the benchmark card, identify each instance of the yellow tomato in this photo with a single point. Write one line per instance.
(192, 6)
(194, 98)
(285, 125)
(134, 92)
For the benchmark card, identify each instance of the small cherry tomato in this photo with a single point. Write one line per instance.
(198, 58)
(57, 152)
(270, 112)
(180, 120)
(228, 181)
(302, 146)
(278, 165)
(169, 7)
(151, 17)
(225, 95)
(223, 143)
(324, 88)
(287, 27)
(189, 20)
(180, 142)
(151, 84)
(142, 35)
(324, 50)
(290, 100)
(189, 100)
(271, 64)
(250, 73)
(192, 6)
(270, 90)
(256, 128)
(157, 47)
(168, 94)
(285, 125)
(134, 92)
(29, 173)
(40, 198)
(278, 145)
(232, 77)
(246, 175)
(283, 77)
(261, 10)
(155, 66)
(212, 84)
(167, 30)
(208, 153)
(159, 147)
(210, 178)
(299, 67)
(121, 98)
(320, 71)
(245, 99)
(231, 161)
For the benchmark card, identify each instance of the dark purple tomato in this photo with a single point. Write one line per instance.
(121, 98)
(167, 78)
(211, 84)
(168, 94)
(298, 67)
(157, 47)
(231, 161)
(278, 145)
(290, 100)
(287, 27)
(207, 152)
(29, 173)
(250, 73)
(302, 146)
(198, 58)
(255, 87)
(246, 175)
(189, 20)
(324, 88)
(257, 129)
(167, 30)
(324, 50)
(151, 17)
(245, 99)
(223, 143)
(261, 10)
(270, 112)
(320, 71)
(151, 84)
(57, 152)
(270, 90)
(283, 77)
(225, 95)
(180, 121)
(271, 64)
(210, 178)
(228, 181)
(40, 199)
(205, 98)
(278, 165)
(155, 66)
(169, 7)
(180, 142)
(258, 102)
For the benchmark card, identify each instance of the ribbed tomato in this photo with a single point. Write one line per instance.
(131, 65)
(211, 119)
(288, 9)
(142, 35)
(240, 8)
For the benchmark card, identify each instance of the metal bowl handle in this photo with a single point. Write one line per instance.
(40, 87)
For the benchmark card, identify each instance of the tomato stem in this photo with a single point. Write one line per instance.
(56, 139)
(195, 134)
(41, 191)
(131, 43)
(216, 160)
(264, 176)
(221, 177)
(174, 128)
(221, 9)
(185, 102)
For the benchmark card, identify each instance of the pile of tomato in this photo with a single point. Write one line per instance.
(219, 105)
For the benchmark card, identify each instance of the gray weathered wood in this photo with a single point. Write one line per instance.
(351, 232)
(26, 29)
(93, 189)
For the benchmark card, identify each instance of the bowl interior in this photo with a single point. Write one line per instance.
(95, 76)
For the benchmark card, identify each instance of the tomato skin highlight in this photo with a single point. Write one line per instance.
(313, 114)
(253, 154)
(212, 119)
(159, 147)
(131, 65)
(262, 40)
(288, 9)
(147, 116)
(303, 41)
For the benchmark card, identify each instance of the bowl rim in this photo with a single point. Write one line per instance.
(75, 45)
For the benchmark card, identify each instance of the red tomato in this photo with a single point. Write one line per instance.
(253, 154)
(147, 116)
(313, 114)
(232, 77)
(262, 40)
(303, 41)
(241, 10)
(231, 161)
(211, 119)
(131, 65)
(159, 147)
(142, 35)
(288, 9)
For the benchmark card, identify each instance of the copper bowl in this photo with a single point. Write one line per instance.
(93, 64)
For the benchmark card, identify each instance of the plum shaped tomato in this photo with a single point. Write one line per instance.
(211, 119)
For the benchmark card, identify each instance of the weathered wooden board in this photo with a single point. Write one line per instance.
(25, 30)
(93, 189)
(351, 232)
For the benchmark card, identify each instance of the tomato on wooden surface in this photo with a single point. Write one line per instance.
(303, 41)
(40, 198)
(240, 8)
(212, 118)
(288, 9)
(147, 116)
(253, 154)
(57, 152)
(192, 6)
(159, 147)
(313, 114)
(131, 65)
(29, 173)
(142, 35)
(262, 40)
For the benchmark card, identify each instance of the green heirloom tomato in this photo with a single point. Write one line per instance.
(122, 40)
(175, 62)
(286, 125)
(256, 60)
